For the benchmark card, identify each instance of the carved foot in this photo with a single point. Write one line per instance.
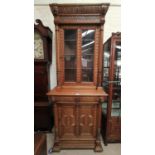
(98, 147)
(56, 147)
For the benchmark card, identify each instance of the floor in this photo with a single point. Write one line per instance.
(111, 149)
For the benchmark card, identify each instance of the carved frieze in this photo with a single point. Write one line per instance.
(78, 19)
(79, 13)
(59, 9)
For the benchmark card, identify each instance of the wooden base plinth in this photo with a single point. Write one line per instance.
(60, 146)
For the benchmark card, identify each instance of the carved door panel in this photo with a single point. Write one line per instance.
(77, 121)
(87, 120)
(67, 122)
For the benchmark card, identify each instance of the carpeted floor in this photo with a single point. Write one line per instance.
(110, 149)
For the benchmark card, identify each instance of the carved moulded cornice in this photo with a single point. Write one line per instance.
(59, 9)
(79, 13)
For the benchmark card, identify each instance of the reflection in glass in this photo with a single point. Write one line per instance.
(70, 42)
(113, 87)
(116, 112)
(106, 65)
(87, 75)
(87, 55)
(70, 75)
(38, 46)
(117, 76)
(70, 55)
(116, 95)
(69, 62)
(70, 35)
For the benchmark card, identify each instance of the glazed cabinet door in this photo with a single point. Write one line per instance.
(78, 57)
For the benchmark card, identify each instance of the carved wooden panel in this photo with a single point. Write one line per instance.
(57, 31)
(96, 55)
(67, 122)
(61, 56)
(87, 120)
(77, 120)
(79, 13)
(79, 19)
(61, 9)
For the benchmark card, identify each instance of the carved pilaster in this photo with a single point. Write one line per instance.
(78, 58)
(96, 55)
(77, 100)
(56, 147)
(61, 56)
(100, 58)
(98, 147)
(57, 54)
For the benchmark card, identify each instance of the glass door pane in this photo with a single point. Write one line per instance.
(87, 55)
(70, 55)
(116, 96)
(106, 66)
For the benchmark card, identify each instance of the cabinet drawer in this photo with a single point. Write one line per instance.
(75, 99)
(76, 103)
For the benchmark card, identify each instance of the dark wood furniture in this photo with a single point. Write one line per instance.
(112, 85)
(40, 145)
(42, 61)
(78, 96)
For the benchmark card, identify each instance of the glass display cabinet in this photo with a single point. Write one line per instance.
(42, 61)
(112, 85)
(78, 96)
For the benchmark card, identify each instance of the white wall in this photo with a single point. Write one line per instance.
(42, 11)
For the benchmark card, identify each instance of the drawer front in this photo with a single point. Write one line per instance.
(76, 99)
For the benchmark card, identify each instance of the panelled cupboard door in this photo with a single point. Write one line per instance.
(77, 121)
(67, 120)
(87, 120)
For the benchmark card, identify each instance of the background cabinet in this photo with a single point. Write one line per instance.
(78, 96)
(42, 60)
(112, 85)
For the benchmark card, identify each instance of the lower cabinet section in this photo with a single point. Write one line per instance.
(77, 125)
(77, 121)
(111, 133)
(114, 132)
